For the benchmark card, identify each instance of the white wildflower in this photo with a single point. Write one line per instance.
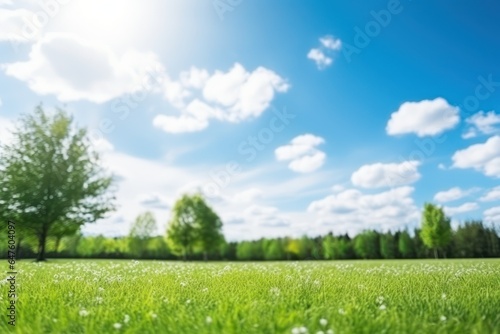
(208, 320)
(117, 325)
(442, 318)
(323, 322)
(126, 319)
(83, 312)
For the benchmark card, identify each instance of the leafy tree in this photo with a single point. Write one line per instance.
(208, 227)
(405, 245)
(243, 250)
(180, 231)
(194, 223)
(328, 247)
(158, 248)
(367, 245)
(64, 229)
(388, 247)
(436, 228)
(274, 250)
(292, 247)
(143, 228)
(472, 240)
(50, 177)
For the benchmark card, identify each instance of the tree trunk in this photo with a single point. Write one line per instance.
(18, 248)
(435, 253)
(58, 240)
(205, 256)
(41, 247)
(184, 258)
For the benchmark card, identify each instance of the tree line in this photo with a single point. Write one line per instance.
(473, 239)
(52, 183)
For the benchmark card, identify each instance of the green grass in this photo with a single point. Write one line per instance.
(83, 296)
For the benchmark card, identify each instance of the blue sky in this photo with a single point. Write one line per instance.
(292, 117)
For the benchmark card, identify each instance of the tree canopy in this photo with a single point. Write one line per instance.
(194, 224)
(436, 230)
(51, 180)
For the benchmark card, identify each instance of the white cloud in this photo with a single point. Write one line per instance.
(452, 194)
(244, 94)
(466, 207)
(481, 157)
(194, 78)
(322, 56)
(154, 200)
(73, 69)
(425, 118)
(322, 61)
(471, 133)
(232, 96)
(380, 175)
(14, 24)
(331, 42)
(179, 124)
(352, 210)
(485, 123)
(442, 166)
(492, 215)
(302, 152)
(247, 196)
(492, 195)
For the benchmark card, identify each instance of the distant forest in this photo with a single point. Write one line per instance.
(471, 240)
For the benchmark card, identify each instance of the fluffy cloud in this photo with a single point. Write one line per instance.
(492, 195)
(380, 175)
(264, 216)
(352, 210)
(425, 118)
(232, 96)
(466, 207)
(485, 123)
(302, 153)
(248, 196)
(154, 200)
(321, 56)
(481, 157)
(452, 194)
(331, 42)
(322, 61)
(14, 25)
(173, 124)
(73, 69)
(492, 215)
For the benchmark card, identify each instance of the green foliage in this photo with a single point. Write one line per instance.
(436, 230)
(388, 246)
(50, 178)
(367, 245)
(405, 245)
(143, 228)
(194, 224)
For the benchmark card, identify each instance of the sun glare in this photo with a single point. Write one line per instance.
(110, 21)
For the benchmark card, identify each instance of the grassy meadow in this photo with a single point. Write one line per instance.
(102, 296)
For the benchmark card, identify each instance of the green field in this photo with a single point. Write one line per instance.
(84, 296)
